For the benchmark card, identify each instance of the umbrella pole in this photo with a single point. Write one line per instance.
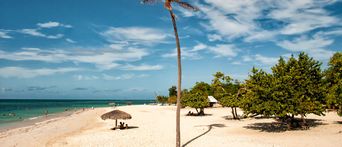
(116, 122)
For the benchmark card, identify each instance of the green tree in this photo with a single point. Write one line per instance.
(294, 88)
(167, 5)
(173, 91)
(197, 97)
(307, 90)
(218, 85)
(258, 96)
(225, 91)
(333, 82)
(162, 99)
(172, 100)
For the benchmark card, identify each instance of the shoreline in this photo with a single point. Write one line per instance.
(27, 114)
(153, 125)
(41, 118)
(35, 120)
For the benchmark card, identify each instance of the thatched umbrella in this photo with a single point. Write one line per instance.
(116, 114)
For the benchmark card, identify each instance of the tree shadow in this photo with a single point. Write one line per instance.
(278, 126)
(209, 129)
(232, 118)
(338, 122)
(196, 115)
(130, 127)
(263, 117)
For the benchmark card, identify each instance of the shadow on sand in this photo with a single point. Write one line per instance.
(231, 117)
(130, 127)
(338, 122)
(282, 127)
(196, 115)
(209, 129)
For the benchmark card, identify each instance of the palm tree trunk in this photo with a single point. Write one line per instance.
(179, 89)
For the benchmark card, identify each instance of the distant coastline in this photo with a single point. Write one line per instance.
(16, 113)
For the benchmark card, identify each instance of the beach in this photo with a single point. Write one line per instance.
(153, 125)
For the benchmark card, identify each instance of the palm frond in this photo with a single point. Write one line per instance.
(186, 5)
(150, 1)
(167, 5)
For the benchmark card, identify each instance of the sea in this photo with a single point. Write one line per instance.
(14, 111)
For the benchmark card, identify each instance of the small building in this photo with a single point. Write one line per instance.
(212, 101)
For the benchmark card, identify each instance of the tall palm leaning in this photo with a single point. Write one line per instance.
(168, 6)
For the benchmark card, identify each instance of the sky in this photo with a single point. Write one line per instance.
(122, 49)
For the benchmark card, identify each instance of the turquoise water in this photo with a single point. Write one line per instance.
(18, 110)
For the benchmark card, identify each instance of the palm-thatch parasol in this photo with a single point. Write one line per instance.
(116, 114)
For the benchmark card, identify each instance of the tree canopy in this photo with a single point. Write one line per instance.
(225, 91)
(173, 91)
(294, 87)
(333, 81)
(197, 97)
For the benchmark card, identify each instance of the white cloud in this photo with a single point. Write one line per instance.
(199, 47)
(246, 58)
(231, 19)
(84, 77)
(302, 16)
(139, 35)
(123, 77)
(314, 46)
(4, 35)
(186, 53)
(187, 13)
(236, 63)
(20, 72)
(52, 24)
(109, 77)
(220, 50)
(266, 60)
(336, 32)
(304, 43)
(214, 37)
(35, 32)
(224, 50)
(103, 58)
(70, 40)
(225, 26)
(118, 46)
(142, 67)
(261, 59)
(261, 36)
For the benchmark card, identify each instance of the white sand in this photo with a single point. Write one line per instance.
(155, 126)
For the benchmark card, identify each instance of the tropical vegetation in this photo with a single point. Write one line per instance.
(296, 86)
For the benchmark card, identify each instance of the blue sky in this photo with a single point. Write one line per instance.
(125, 50)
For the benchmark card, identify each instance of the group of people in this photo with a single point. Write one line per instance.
(190, 113)
(123, 126)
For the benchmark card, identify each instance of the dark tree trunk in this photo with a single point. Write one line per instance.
(233, 112)
(236, 113)
(289, 122)
(201, 112)
(179, 89)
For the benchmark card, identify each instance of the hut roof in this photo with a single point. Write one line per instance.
(212, 99)
(116, 114)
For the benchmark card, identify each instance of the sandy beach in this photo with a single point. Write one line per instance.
(155, 126)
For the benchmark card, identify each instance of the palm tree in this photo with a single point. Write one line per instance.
(168, 6)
